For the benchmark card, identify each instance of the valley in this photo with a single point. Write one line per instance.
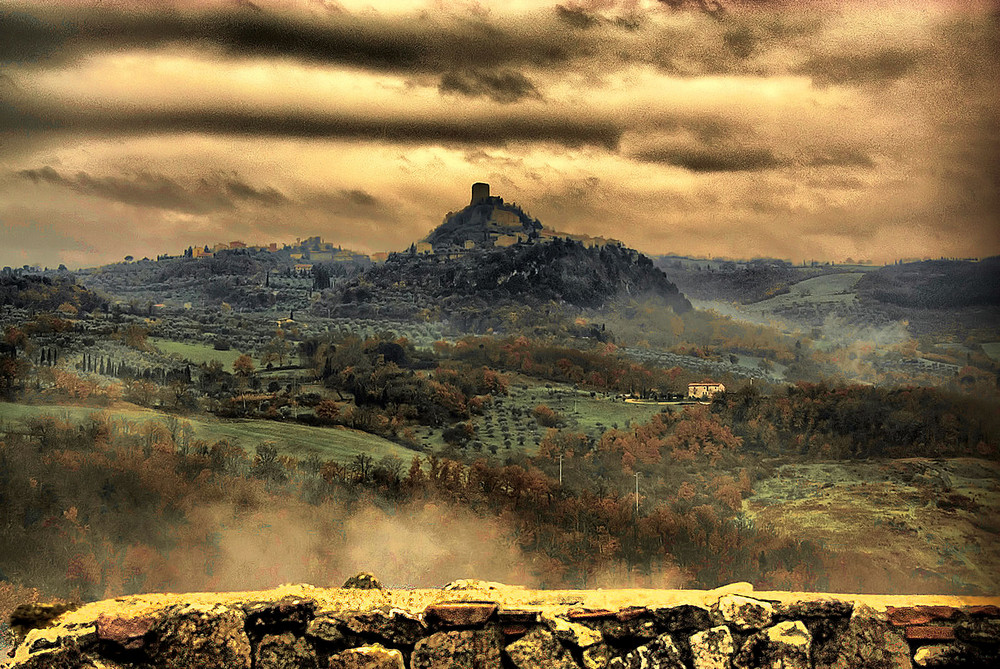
(541, 390)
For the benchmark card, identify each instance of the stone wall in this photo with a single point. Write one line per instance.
(471, 624)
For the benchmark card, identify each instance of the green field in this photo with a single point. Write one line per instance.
(908, 516)
(196, 353)
(992, 349)
(825, 289)
(510, 419)
(333, 443)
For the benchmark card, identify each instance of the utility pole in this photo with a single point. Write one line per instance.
(560, 468)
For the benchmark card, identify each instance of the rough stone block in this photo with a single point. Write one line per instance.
(127, 632)
(540, 649)
(59, 658)
(786, 645)
(826, 639)
(284, 651)
(208, 637)
(984, 631)
(396, 627)
(744, 613)
(326, 628)
(460, 614)
(597, 656)
(712, 648)
(813, 608)
(631, 613)
(458, 649)
(521, 616)
(986, 610)
(572, 633)
(662, 653)
(683, 618)
(363, 581)
(37, 615)
(870, 642)
(949, 656)
(287, 614)
(920, 615)
(367, 657)
(80, 636)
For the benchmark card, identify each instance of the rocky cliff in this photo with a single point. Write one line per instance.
(477, 625)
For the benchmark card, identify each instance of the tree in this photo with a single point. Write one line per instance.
(328, 410)
(266, 464)
(321, 277)
(16, 338)
(362, 466)
(136, 337)
(276, 350)
(243, 366)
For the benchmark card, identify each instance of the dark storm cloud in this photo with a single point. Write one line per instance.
(711, 159)
(351, 203)
(474, 54)
(841, 157)
(711, 7)
(576, 17)
(241, 190)
(504, 86)
(882, 66)
(147, 189)
(435, 44)
(360, 197)
(495, 130)
(373, 42)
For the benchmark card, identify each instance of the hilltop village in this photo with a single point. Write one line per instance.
(487, 223)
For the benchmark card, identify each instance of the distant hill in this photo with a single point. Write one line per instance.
(493, 253)
(730, 281)
(47, 293)
(560, 271)
(935, 284)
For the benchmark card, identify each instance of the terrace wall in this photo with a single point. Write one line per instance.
(472, 624)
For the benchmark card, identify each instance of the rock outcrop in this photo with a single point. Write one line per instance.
(489, 626)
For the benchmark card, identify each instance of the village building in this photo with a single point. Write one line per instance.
(705, 390)
(504, 241)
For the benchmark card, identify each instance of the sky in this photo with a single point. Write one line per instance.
(731, 128)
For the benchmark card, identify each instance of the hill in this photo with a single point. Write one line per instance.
(559, 271)
(491, 254)
(935, 284)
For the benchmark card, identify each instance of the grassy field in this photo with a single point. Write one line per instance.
(332, 443)
(918, 524)
(824, 289)
(510, 419)
(196, 353)
(992, 349)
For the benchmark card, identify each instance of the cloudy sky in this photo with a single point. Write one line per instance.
(801, 130)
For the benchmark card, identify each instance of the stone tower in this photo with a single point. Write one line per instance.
(480, 192)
